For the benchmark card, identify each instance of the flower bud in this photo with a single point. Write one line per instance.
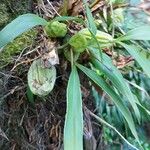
(78, 42)
(56, 29)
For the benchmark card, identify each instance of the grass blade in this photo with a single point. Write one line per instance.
(18, 26)
(91, 24)
(73, 130)
(115, 97)
(139, 33)
(113, 74)
(140, 56)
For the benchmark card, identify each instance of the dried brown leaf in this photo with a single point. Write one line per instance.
(50, 55)
(71, 7)
(97, 6)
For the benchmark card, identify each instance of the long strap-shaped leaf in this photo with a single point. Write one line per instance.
(117, 79)
(140, 56)
(139, 33)
(115, 97)
(18, 26)
(73, 130)
(90, 19)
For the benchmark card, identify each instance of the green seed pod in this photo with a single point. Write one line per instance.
(56, 29)
(41, 80)
(101, 36)
(78, 42)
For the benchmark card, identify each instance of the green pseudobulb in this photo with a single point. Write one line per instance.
(41, 80)
(56, 29)
(102, 37)
(78, 42)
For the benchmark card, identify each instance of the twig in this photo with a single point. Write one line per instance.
(20, 124)
(3, 134)
(53, 8)
(23, 62)
(31, 51)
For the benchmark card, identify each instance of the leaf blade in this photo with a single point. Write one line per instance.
(139, 56)
(116, 78)
(91, 25)
(18, 26)
(73, 130)
(68, 18)
(116, 99)
(113, 128)
(139, 33)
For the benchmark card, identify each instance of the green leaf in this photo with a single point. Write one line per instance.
(96, 40)
(145, 109)
(140, 56)
(139, 33)
(113, 128)
(113, 74)
(18, 26)
(91, 23)
(115, 97)
(30, 95)
(68, 18)
(73, 130)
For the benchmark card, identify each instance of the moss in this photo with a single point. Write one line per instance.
(4, 15)
(16, 46)
(10, 9)
(19, 6)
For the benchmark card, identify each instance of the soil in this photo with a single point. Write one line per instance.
(37, 125)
